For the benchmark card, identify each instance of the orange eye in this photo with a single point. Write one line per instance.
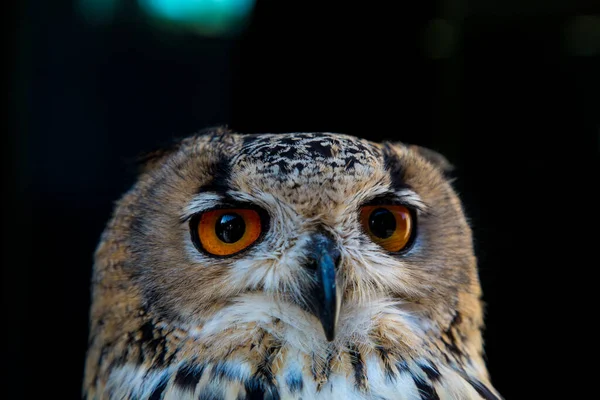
(389, 226)
(227, 231)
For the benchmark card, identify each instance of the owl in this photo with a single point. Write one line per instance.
(287, 266)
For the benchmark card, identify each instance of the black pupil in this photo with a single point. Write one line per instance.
(382, 223)
(230, 228)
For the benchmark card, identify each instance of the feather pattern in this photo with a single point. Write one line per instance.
(169, 321)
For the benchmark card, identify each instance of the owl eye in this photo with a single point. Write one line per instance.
(225, 232)
(391, 227)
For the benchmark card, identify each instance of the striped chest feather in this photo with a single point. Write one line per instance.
(364, 379)
(160, 363)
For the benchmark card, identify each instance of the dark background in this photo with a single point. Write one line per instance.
(509, 91)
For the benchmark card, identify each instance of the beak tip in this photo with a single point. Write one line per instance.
(330, 336)
(329, 330)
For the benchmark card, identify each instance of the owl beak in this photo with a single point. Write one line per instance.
(323, 298)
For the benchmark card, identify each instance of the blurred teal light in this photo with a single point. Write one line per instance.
(208, 16)
(98, 11)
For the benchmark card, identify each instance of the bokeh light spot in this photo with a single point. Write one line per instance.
(214, 17)
(582, 35)
(439, 39)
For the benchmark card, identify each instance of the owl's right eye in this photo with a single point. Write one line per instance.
(390, 226)
(225, 232)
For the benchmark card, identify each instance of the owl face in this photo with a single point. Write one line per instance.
(329, 235)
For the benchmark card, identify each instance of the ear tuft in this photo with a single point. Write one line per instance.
(433, 157)
(149, 160)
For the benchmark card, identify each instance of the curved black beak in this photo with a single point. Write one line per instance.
(323, 298)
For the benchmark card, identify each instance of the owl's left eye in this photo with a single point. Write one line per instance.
(390, 226)
(225, 232)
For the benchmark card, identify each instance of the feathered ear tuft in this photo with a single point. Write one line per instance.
(433, 157)
(149, 160)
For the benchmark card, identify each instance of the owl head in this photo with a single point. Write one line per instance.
(318, 238)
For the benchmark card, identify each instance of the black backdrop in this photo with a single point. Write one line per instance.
(509, 92)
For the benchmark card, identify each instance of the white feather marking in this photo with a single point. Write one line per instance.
(135, 381)
(412, 198)
(400, 387)
(201, 202)
(340, 387)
